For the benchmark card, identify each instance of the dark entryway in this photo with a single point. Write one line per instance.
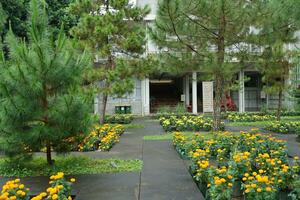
(165, 92)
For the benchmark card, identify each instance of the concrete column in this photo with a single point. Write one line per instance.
(194, 92)
(145, 90)
(147, 102)
(242, 92)
(187, 90)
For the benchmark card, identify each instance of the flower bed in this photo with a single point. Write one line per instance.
(60, 189)
(248, 117)
(119, 119)
(168, 115)
(102, 138)
(285, 127)
(249, 165)
(187, 123)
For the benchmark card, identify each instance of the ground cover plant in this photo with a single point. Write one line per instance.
(70, 165)
(187, 123)
(119, 119)
(60, 189)
(249, 165)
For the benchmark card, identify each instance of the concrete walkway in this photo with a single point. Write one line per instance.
(164, 175)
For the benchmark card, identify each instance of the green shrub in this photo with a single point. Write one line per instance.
(119, 119)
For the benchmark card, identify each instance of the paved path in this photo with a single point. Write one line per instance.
(164, 175)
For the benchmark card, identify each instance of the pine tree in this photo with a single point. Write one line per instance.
(40, 105)
(16, 11)
(206, 36)
(114, 31)
(2, 18)
(277, 35)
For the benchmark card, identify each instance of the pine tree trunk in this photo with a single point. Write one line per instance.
(218, 74)
(217, 104)
(48, 153)
(278, 116)
(103, 108)
(46, 121)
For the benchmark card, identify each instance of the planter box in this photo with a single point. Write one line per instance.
(284, 195)
(203, 189)
(181, 154)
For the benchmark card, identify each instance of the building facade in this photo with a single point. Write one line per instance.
(152, 93)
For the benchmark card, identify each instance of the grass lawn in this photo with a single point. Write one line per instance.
(169, 136)
(133, 126)
(70, 165)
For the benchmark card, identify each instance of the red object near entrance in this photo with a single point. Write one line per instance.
(229, 104)
(189, 108)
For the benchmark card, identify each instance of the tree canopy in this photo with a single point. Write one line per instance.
(207, 36)
(17, 14)
(40, 105)
(277, 24)
(115, 33)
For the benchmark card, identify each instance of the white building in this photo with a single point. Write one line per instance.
(151, 93)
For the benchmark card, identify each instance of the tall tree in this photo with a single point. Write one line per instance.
(277, 27)
(40, 104)
(2, 17)
(16, 11)
(58, 15)
(114, 31)
(210, 34)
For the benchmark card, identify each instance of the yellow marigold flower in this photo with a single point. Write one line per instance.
(247, 191)
(21, 186)
(43, 194)
(268, 189)
(230, 184)
(253, 185)
(60, 187)
(244, 178)
(218, 182)
(54, 197)
(259, 190)
(261, 171)
(223, 180)
(73, 180)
